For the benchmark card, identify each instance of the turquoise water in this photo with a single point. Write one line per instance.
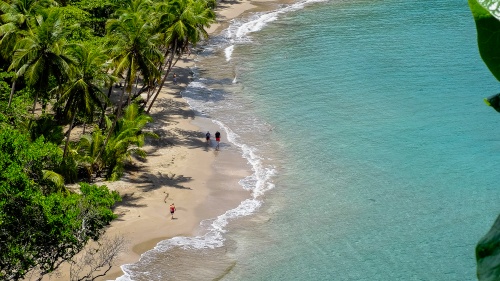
(374, 155)
(387, 150)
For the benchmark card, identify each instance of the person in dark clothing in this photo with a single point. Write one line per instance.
(217, 139)
(207, 137)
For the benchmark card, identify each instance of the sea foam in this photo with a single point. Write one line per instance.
(239, 30)
(258, 183)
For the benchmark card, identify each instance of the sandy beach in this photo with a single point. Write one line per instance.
(338, 158)
(179, 169)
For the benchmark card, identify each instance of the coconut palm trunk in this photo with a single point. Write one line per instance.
(34, 103)
(130, 92)
(69, 134)
(169, 67)
(12, 90)
(153, 86)
(118, 112)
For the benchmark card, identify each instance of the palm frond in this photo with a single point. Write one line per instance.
(53, 177)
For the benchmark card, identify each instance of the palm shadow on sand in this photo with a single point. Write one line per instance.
(129, 200)
(153, 181)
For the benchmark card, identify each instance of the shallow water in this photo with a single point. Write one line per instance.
(373, 154)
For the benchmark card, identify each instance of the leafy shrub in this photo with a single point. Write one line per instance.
(40, 226)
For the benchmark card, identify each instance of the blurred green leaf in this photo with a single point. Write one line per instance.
(488, 33)
(488, 254)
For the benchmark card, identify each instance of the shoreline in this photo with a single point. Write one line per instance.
(179, 168)
(255, 248)
(198, 193)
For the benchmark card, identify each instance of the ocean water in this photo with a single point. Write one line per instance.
(373, 154)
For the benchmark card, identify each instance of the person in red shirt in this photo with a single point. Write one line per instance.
(172, 207)
(172, 210)
(217, 139)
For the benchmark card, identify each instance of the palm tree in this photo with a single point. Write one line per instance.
(133, 44)
(82, 93)
(126, 140)
(43, 53)
(182, 22)
(133, 50)
(88, 150)
(135, 7)
(16, 18)
(128, 137)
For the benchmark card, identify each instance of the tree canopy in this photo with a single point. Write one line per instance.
(60, 64)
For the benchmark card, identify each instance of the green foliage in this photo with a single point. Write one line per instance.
(488, 36)
(79, 22)
(88, 156)
(83, 92)
(55, 52)
(17, 17)
(16, 116)
(487, 17)
(102, 200)
(493, 101)
(43, 231)
(54, 178)
(22, 161)
(69, 169)
(47, 127)
(43, 54)
(40, 226)
(126, 141)
(133, 45)
(21, 180)
(96, 43)
(4, 86)
(99, 11)
(13, 162)
(179, 24)
(488, 254)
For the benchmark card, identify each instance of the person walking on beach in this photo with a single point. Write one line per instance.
(207, 137)
(172, 210)
(217, 139)
(175, 78)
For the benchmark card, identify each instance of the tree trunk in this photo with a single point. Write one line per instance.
(140, 91)
(12, 92)
(130, 92)
(104, 107)
(118, 112)
(164, 77)
(149, 94)
(110, 90)
(34, 103)
(160, 69)
(69, 134)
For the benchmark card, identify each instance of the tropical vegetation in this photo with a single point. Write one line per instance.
(61, 62)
